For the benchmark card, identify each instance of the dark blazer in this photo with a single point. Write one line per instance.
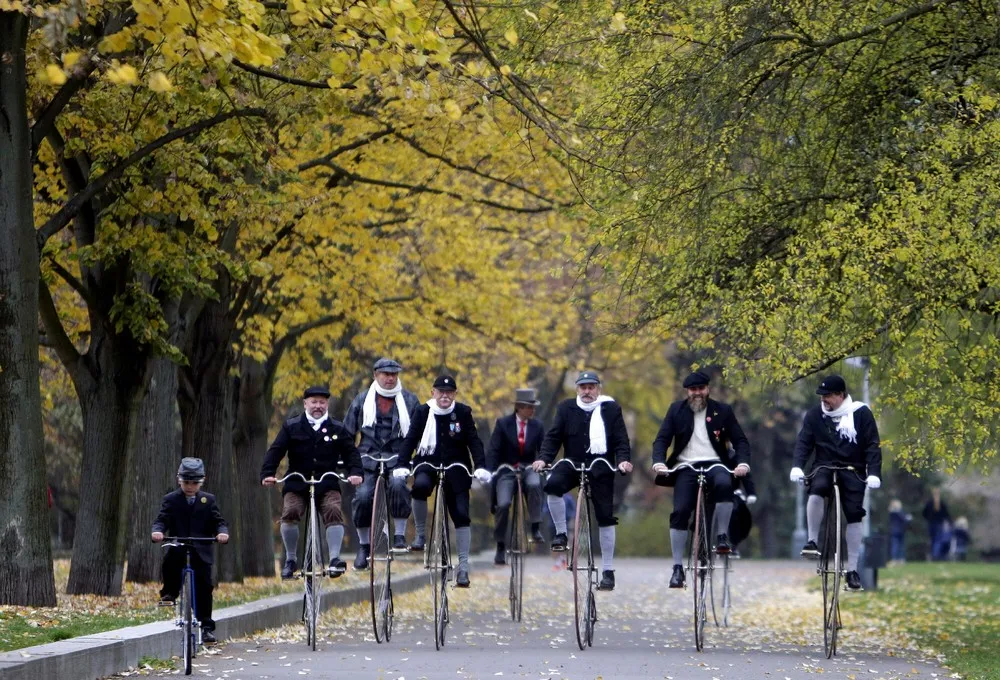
(819, 435)
(200, 519)
(503, 447)
(312, 451)
(457, 441)
(723, 429)
(571, 431)
(369, 444)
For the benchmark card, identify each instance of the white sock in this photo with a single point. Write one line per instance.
(814, 516)
(290, 537)
(607, 535)
(419, 516)
(853, 545)
(557, 508)
(334, 537)
(678, 543)
(364, 536)
(463, 541)
(399, 524)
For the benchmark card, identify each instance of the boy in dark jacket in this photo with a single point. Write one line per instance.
(190, 512)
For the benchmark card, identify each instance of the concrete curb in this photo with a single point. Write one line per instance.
(103, 654)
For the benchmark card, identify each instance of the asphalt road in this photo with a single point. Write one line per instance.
(644, 631)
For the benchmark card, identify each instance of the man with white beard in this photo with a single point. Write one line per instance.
(589, 426)
(701, 430)
(841, 432)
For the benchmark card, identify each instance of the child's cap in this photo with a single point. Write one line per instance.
(191, 469)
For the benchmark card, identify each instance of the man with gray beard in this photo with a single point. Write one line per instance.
(701, 430)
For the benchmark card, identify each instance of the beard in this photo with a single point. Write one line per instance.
(697, 403)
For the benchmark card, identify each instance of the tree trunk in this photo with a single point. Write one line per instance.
(206, 404)
(253, 413)
(153, 469)
(26, 568)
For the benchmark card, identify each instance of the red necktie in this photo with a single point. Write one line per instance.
(520, 436)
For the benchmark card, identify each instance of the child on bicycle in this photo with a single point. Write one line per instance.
(189, 512)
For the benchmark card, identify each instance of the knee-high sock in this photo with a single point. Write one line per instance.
(419, 516)
(364, 536)
(723, 512)
(853, 545)
(399, 524)
(557, 508)
(334, 537)
(290, 537)
(814, 516)
(607, 535)
(678, 543)
(463, 541)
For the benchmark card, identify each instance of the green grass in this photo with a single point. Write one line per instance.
(17, 631)
(952, 608)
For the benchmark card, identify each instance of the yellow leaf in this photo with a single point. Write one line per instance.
(70, 58)
(618, 22)
(505, 70)
(452, 109)
(158, 82)
(511, 36)
(55, 75)
(122, 74)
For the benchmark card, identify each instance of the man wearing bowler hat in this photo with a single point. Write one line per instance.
(701, 430)
(314, 444)
(443, 431)
(381, 416)
(841, 432)
(516, 440)
(589, 426)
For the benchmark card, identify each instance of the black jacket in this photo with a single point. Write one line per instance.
(723, 429)
(503, 447)
(312, 451)
(200, 519)
(457, 439)
(571, 431)
(819, 435)
(369, 444)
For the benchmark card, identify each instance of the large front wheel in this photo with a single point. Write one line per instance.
(830, 567)
(701, 571)
(516, 548)
(437, 558)
(582, 557)
(380, 566)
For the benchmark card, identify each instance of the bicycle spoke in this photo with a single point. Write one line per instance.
(381, 555)
(581, 564)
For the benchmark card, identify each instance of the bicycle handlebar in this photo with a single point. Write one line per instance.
(696, 469)
(835, 468)
(441, 468)
(584, 467)
(312, 481)
(390, 459)
(185, 541)
(508, 466)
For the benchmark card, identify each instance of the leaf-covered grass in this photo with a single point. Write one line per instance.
(951, 608)
(77, 615)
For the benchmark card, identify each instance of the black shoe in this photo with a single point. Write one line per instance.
(810, 550)
(337, 567)
(418, 544)
(607, 580)
(361, 559)
(288, 571)
(722, 546)
(559, 543)
(854, 581)
(462, 578)
(501, 557)
(536, 533)
(208, 637)
(167, 601)
(734, 554)
(399, 542)
(677, 578)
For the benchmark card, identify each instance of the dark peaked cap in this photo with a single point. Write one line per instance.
(696, 379)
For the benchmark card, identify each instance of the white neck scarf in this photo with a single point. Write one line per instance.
(429, 439)
(316, 422)
(368, 410)
(598, 437)
(844, 417)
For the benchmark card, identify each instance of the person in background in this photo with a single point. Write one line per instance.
(960, 539)
(938, 519)
(899, 522)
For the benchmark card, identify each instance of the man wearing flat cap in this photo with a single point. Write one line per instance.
(701, 430)
(443, 431)
(841, 432)
(381, 415)
(515, 441)
(589, 426)
(314, 444)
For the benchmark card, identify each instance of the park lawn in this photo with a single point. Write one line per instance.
(951, 608)
(77, 615)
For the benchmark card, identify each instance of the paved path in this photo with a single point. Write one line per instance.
(644, 632)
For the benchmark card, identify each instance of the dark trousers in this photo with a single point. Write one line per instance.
(457, 501)
(506, 486)
(897, 547)
(173, 567)
(398, 496)
(852, 491)
(563, 478)
(719, 484)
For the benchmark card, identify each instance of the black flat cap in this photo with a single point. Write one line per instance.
(588, 378)
(387, 365)
(445, 382)
(697, 379)
(831, 384)
(316, 391)
(191, 469)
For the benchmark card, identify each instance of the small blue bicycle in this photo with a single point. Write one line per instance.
(185, 606)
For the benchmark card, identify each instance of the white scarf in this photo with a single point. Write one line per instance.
(844, 417)
(598, 437)
(316, 422)
(368, 410)
(429, 439)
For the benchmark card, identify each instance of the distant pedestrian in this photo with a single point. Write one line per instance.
(960, 539)
(899, 522)
(936, 514)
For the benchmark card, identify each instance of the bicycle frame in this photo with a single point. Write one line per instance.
(380, 535)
